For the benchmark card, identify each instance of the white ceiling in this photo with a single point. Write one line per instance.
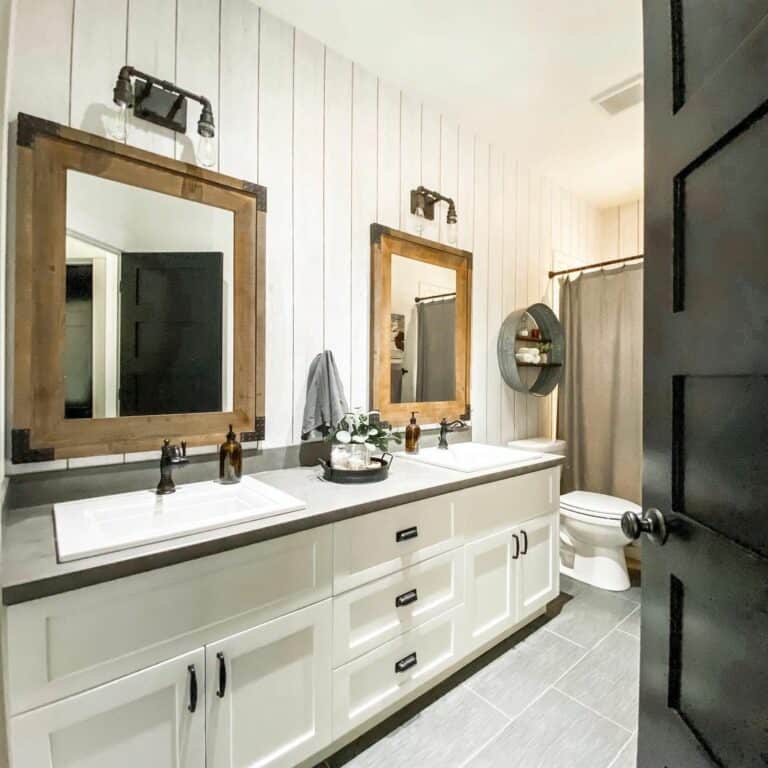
(519, 72)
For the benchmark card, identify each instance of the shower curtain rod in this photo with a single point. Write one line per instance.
(597, 264)
(417, 299)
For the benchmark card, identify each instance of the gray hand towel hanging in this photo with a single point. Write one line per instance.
(326, 403)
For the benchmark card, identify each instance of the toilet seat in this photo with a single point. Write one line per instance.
(598, 506)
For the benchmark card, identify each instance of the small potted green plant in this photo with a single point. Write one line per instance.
(354, 438)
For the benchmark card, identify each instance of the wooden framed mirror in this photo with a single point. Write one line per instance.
(420, 327)
(140, 291)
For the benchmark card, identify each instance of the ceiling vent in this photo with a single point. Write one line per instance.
(621, 96)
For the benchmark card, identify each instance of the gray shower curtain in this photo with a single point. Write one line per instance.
(600, 398)
(436, 369)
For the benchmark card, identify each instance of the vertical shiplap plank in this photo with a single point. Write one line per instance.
(430, 168)
(98, 51)
(308, 202)
(556, 224)
(609, 234)
(275, 165)
(641, 225)
(449, 168)
(480, 293)
(152, 49)
(509, 286)
(389, 156)
(239, 90)
(364, 211)
(410, 159)
(629, 244)
(495, 309)
(465, 203)
(522, 246)
(545, 265)
(534, 278)
(197, 67)
(338, 204)
(40, 65)
(566, 221)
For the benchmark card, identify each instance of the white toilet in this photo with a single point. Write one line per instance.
(592, 542)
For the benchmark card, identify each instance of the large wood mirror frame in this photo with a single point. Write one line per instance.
(45, 152)
(386, 243)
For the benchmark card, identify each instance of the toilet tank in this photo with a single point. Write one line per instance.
(540, 445)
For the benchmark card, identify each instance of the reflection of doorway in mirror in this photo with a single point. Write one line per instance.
(103, 262)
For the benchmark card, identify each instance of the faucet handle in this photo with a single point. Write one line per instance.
(184, 448)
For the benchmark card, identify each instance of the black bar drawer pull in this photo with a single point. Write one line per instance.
(411, 596)
(406, 662)
(222, 689)
(407, 533)
(525, 543)
(517, 546)
(192, 706)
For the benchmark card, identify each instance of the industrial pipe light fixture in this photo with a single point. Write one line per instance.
(162, 103)
(423, 202)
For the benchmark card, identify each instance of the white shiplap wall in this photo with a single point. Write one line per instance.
(337, 149)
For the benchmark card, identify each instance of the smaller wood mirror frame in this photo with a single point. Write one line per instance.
(139, 299)
(420, 327)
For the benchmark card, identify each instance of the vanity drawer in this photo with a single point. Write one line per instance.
(486, 509)
(371, 546)
(67, 643)
(370, 615)
(379, 679)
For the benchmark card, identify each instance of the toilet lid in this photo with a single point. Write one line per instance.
(597, 504)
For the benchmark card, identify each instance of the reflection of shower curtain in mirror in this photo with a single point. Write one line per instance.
(436, 370)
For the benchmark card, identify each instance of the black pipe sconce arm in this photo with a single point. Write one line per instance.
(425, 199)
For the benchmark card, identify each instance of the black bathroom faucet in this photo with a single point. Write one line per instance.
(445, 428)
(170, 455)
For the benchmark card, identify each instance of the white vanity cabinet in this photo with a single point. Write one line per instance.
(268, 692)
(155, 717)
(273, 654)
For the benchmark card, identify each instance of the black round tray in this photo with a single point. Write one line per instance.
(355, 476)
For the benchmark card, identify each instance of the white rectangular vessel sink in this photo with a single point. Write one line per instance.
(111, 523)
(472, 457)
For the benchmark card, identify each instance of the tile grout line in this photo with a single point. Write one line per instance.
(621, 749)
(624, 632)
(483, 746)
(567, 639)
(486, 701)
(592, 710)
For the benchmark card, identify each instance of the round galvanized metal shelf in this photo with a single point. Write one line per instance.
(551, 372)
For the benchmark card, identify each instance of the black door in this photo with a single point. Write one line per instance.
(704, 668)
(170, 333)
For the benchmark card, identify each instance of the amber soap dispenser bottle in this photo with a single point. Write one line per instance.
(230, 459)
(412, 435)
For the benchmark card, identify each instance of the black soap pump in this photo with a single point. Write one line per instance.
(412, 435)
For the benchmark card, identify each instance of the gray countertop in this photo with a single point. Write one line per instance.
(30, 569)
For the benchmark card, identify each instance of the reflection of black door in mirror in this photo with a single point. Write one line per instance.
(78, 342)
(170, 333)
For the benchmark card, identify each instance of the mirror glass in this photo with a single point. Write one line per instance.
(422, 346)
(149, 302)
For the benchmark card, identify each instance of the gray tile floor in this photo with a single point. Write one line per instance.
(563, 697)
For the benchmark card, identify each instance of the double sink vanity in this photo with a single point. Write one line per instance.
(267, 623)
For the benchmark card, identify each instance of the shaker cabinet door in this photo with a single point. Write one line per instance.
(268, 692)
(539, 563)
(490, 587)
(143, 719)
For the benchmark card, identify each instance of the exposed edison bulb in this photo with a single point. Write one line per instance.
(206, 151)
(451, 231)
(418, 220)
(117, 123)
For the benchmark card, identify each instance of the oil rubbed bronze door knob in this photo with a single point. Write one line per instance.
(651, 523)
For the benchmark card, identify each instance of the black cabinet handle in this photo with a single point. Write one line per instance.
(407, 533)
(192, 706)
(525, 542)
(411, 596)
(222, 675)
(517, 546)
(406, 662)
